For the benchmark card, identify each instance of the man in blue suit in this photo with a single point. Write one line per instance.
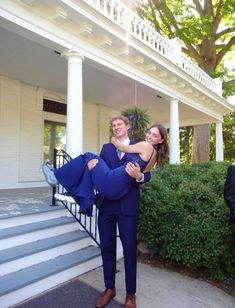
(229, 192)
(124, 213)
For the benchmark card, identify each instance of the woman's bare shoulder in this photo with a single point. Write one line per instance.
(146, 144)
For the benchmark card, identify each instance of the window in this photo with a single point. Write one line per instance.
(54, 137)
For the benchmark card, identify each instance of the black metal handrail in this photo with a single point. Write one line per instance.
(88, 223)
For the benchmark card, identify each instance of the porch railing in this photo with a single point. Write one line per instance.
(141, 29)
(88, 223)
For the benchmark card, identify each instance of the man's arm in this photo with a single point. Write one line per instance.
(133, 170)
(102, 152)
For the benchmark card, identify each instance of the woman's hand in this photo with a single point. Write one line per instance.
(115, 142)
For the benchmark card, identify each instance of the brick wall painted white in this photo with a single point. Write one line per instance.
(9, 131)
(90, 125)
(21, 132)
(31, 137)
(105, 115)
(96, 126)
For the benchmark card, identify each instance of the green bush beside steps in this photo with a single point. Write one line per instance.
(184, 217)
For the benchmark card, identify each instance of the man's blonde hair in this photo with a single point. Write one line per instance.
(121, 117)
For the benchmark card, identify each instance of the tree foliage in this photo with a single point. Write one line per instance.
(206, 28)
(229, 136)
(186, 134)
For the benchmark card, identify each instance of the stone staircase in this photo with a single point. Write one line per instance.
(39, 251)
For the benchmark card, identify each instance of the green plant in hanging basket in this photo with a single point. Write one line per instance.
(140, 122)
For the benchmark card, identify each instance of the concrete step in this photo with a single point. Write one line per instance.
(41, 250)
(19, 257)
(33, 216)
(21, 285)
(30, 232)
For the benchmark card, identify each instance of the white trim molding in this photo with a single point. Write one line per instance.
(174, 132)
(219, 141)
(74, 130)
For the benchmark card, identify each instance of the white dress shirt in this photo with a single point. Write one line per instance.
(127, 142)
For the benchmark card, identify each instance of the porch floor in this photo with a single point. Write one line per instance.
(25, 200)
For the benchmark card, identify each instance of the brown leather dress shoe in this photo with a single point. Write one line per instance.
(130, 301)
(105, 298)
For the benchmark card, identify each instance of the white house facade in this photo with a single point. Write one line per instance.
(77, 63)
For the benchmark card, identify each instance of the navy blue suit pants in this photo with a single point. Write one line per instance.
(109, 217)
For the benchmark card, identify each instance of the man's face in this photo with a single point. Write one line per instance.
(120, 129)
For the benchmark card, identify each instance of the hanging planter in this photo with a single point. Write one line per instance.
(140, 122)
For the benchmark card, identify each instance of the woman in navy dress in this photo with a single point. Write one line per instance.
(88, 171)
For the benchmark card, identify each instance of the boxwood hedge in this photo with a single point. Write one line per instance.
(184, 217)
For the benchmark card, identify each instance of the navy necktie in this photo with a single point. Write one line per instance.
(119, 154)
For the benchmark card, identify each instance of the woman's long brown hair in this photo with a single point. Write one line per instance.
(161, 148)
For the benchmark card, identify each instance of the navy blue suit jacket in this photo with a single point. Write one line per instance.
(130, 203)
(229, 192)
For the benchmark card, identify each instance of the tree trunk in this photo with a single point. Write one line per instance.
(201, 144)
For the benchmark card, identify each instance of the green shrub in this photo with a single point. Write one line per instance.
(140, 122)
(184, 217)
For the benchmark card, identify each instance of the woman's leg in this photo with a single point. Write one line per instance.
(70, 174)
(111, 184)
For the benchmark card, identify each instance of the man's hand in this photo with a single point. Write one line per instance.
(133, 170)
(92, 163)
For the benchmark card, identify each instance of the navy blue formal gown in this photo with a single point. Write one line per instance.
(112, 184)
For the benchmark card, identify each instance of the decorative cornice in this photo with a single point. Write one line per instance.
(61, 15)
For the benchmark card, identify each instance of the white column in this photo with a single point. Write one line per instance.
(219, 142)
(174, 132)
(74, 128)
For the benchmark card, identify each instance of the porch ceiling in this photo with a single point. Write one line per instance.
(31, 62)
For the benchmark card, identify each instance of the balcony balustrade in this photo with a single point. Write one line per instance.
(127, 19)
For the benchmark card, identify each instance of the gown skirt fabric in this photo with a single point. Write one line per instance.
(80, 182)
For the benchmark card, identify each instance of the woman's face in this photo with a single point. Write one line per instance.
(153, 136)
